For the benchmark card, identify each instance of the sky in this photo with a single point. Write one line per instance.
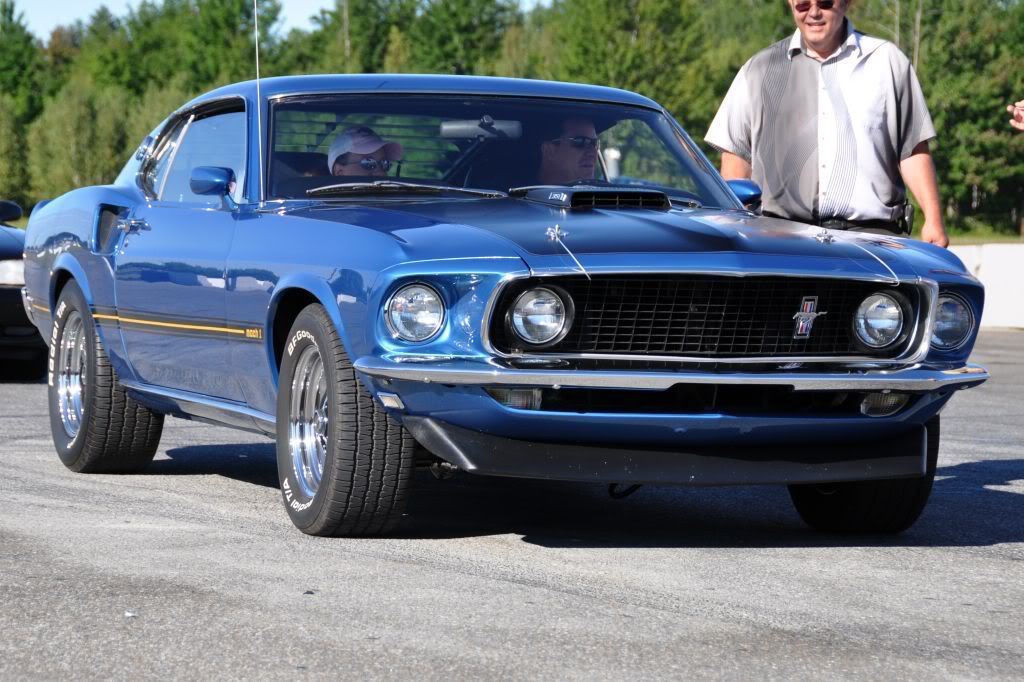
(43, 17)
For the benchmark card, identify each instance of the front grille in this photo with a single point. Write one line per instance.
(705, 316)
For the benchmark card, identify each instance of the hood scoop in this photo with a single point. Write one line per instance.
(585, 198)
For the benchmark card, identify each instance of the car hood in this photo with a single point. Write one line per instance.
(598, 238)
(12, 242)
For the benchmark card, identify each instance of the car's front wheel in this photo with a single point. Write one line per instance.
(343, 463)
(96, 426)
(888, 506)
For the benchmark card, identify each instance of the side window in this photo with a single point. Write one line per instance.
(217, 140)
(154, 169)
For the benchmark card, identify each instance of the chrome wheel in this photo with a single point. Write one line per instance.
(308, 420)
(70, 374)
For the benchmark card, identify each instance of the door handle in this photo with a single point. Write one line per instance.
(133, 225)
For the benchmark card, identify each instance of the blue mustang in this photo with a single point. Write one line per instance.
(507, 277)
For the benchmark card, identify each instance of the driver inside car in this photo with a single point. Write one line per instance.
(360, 151)
(570, 156)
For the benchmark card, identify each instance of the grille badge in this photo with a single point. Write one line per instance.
(805, 317)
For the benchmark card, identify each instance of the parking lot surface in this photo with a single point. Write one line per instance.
(193, 569)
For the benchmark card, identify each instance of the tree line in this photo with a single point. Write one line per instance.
(76, 103)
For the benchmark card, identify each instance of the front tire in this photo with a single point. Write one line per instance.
(889, 506)
(96, 427)
(343, 463)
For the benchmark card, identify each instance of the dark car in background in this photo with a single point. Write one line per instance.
(22, 351)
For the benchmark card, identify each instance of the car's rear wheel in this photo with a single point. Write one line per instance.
(889, 506)
(96, 427)
(344, 465)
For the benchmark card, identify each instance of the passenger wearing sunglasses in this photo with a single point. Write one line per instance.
(571, 155)
(833, 125)
(360, 151)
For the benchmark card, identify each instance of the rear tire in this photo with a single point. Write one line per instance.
(889, 506)
(343, 463)
(96, 427)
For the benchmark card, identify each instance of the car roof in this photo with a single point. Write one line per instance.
(428, 84)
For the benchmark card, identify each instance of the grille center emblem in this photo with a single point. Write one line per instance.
(806, 317)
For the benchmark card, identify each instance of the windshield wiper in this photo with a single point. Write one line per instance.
(396, 187)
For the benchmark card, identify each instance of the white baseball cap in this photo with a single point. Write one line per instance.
(361, 140)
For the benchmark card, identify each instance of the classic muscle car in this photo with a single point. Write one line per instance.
(22, 351)
(506, 277)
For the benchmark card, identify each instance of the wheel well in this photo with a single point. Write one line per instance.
(62, 278)
(288, 308)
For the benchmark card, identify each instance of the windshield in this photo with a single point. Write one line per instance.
(478, 142)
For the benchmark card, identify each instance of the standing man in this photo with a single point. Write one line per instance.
(833, 126)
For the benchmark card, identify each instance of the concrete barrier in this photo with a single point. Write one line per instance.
(1000, 267)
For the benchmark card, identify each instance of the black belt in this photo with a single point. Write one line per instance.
(894, 226)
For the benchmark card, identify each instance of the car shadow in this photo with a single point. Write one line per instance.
(972, 504)
(254, 463)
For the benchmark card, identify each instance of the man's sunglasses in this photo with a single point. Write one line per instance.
(578, 141)
(370, 164)
(806, 6)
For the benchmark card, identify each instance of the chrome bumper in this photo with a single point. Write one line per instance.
(466, 372)
(26, 301)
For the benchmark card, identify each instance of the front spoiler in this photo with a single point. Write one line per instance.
(899, 456)
(465, 372)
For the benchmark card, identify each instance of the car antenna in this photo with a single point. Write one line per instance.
(259, 104)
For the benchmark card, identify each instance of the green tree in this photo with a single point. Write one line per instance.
(970, 69)
(398, 58)
(13, 171)
(459, 36)
(353, 36)
(78, 140)
(19, 62)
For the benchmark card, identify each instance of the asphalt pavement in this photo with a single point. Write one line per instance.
(193, 570)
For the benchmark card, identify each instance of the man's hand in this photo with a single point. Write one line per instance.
(934, 234)
(1017, 111)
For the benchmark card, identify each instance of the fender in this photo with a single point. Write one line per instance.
(322, 292)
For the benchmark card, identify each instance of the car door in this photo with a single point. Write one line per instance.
(170, 266)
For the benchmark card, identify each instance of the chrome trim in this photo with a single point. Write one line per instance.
(187, 398)
(26, 303)
(299, 94)
(929, 290)
(475, 373)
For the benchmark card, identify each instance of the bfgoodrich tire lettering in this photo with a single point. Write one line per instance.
(96, 427)
(344, 465)
(869, 506)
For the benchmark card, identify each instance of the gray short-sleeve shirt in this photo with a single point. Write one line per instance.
(825, 139)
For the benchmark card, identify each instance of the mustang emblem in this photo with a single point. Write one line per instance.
(805, 318)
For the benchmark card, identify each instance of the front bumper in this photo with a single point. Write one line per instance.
(900, 456)
(448, 411)
(465, 372)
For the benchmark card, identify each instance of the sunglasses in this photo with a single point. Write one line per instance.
(578, 141)
(370, 164)
(806, 6)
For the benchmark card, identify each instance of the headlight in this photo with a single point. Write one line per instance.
(541, 316)
(415, 313)
(954, 322)
(878, 321)
(12, 272)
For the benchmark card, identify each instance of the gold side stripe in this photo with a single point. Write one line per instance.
(41, 308)
(171, 325)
